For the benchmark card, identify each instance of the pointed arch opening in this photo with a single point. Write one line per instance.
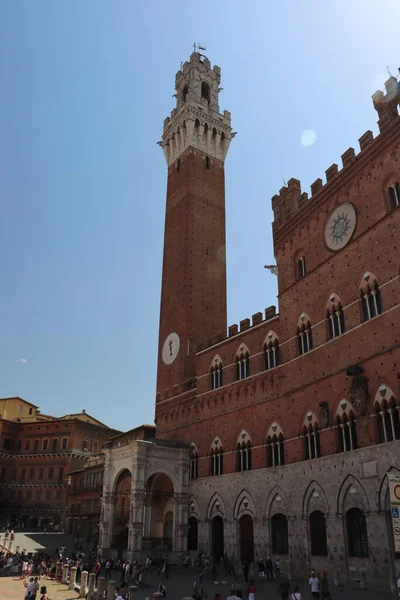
(216, 373)
(271, 351)
(205, 91)
(387, 414)
(275, 446)
(317, 528)
(243, 452)
(370, 296)
(216, 458)
(346, 427)
(304, 334)
(312, 445)
(242, 362)
(357, 536)
(193, 462)
(280, 534)
(335, 316)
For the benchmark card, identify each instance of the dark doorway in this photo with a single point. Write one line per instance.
(121, 541)
(319, 546)
(246, 539)
(193, 533)
(279, 534)
(217, 539)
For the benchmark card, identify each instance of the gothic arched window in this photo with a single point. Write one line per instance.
(394, 195)
(243, 453)
(280, 534)
(271, 351)
(275, 446)
(347, 427)
(304, 334)
(242, 363)
(387, 414)
(357, 536)
(205, 91)
(217, 458)
(312, 447)
(193, 463)
(370, 296)
(216, 373)
(184, 93)
(335, 316)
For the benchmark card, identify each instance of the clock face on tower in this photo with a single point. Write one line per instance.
(170, 348)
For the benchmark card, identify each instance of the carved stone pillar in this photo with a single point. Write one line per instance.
(107, 521)
(181, 526)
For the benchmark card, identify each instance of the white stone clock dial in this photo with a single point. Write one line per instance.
(170, 348)
(340, 226)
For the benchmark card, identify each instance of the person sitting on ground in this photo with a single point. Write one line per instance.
(161, 589)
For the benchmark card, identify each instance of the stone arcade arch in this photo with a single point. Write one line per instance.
(216, 515)
(122, 493)
(155, 508)
(244, 513)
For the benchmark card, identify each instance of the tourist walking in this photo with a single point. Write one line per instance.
(261, 569)
(314, 585)
(278, 568)
(251, 591)
(269, 566)
(324, 586)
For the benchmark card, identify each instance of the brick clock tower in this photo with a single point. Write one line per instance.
(195, 142)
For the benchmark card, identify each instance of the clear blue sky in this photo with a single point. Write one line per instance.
(85, 87)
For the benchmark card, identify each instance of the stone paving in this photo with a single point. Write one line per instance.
(178, 586)
(12, 588)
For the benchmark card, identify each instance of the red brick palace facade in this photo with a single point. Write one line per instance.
(293, 418)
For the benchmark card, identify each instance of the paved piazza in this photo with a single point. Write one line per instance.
(178, 586)
(13, 589)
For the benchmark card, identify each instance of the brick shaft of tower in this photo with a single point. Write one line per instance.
(195, 142)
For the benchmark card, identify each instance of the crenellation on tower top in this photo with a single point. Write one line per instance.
(386, 105)
(196, 121)
(286, 203)
(348, 157)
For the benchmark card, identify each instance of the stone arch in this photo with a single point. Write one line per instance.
(117, 475)
(194, 508)
(275, 505)
(368, 281)
(216, 444)
(270, 338)
(216, 507)
(303, 321)
(243, 436)
(384, 489)
(161, 470)
(352, 485)
(242, 349)
(382, 394)
(344, 407)
(216, 361)
(316, 503)
(244, 505)
(274, 429)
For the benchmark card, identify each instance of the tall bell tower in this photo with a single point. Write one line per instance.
(195, 142)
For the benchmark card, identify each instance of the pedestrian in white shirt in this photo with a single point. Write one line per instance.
(314, 585)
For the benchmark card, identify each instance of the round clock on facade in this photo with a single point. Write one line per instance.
(170, 348)
(340, 226)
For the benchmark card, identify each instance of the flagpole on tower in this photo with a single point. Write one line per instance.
(197, 47)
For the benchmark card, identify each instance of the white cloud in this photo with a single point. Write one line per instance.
(22, 361)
